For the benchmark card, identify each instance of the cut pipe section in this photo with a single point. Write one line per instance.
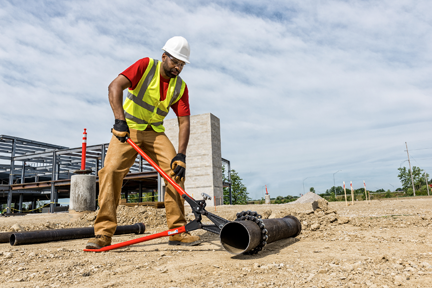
(4, 237)
(242, 236)
(43, 236)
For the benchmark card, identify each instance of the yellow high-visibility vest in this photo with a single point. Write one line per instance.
(143, 106)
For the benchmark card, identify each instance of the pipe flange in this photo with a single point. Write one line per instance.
(257, 218)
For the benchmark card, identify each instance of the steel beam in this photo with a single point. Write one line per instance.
(20, 203)
(161, 196)
(140, 192)
(27, 141)
(11, 176)
(33, 205)
(103, 155)
(53, 189)
(229, 180)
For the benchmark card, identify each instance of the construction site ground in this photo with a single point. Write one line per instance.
(385, 243)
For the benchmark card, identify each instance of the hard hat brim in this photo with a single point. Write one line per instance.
(176, 55)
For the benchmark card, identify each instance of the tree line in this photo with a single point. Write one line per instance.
(240, 195)
(404, 176)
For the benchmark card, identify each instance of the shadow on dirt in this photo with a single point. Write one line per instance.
(269, 249)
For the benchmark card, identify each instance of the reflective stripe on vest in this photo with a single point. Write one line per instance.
(139, 112)
(140, 121)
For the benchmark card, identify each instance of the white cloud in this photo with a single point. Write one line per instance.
(302, 89)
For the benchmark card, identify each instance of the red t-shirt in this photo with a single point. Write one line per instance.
(134, 74)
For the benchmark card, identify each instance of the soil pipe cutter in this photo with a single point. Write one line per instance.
(197, 206)
(241, 236)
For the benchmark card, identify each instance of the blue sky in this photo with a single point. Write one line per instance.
(302, 88)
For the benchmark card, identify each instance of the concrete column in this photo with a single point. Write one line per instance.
(203, 157)
(83, 193)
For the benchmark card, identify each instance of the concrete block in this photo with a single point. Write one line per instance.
(267, 199)
(83, 193)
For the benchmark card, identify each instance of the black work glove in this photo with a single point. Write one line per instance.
(178, 165)
(120, 130)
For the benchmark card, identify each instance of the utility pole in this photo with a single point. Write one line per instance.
(303, 185)
(412, 180)
(427, 185)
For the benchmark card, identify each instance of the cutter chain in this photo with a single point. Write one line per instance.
(254, 216)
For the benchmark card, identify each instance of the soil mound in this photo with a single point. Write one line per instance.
(309, 197)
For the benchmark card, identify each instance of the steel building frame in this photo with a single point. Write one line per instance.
(31, 169)
(49, 164)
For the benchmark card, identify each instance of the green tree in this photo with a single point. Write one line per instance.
(359, 191)
(339, 190)
(289, 198)
(239, 192)
(279, 200)
(423, 190)
(133, 198)
(332, 197)
(418, 177)
(312, 189)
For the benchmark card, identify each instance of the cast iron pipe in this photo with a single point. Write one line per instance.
(43, 236)
(242, 236)
(4, 237)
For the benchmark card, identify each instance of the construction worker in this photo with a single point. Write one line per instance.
(153, 88)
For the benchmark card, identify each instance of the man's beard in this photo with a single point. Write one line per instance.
(168, 72)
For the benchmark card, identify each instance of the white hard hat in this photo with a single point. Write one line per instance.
(178, 47)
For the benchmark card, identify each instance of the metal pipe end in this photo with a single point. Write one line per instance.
(297, 222)
(240, 236)
(141, 228)
(12, 241)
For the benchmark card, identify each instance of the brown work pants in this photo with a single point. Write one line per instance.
(119, 158)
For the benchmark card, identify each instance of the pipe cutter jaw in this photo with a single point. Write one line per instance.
(198, 209)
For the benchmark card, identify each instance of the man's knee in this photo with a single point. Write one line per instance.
(106, 171)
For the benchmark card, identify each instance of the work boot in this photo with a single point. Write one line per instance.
(184, 239)
(98, 242)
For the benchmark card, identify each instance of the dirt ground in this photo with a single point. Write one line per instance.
(383, 244)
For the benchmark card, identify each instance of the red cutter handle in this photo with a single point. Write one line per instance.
(158, 169)
(141, 239)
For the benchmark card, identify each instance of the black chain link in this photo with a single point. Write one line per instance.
(255, 217)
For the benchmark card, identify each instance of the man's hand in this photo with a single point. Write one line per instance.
(120, 130)
(178, 165)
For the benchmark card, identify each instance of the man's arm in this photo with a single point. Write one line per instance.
(115, 95)
(184, 131)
